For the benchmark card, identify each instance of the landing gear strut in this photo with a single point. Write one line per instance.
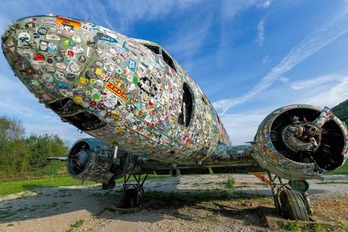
(132, 194)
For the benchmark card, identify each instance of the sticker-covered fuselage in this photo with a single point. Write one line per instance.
(124, 91)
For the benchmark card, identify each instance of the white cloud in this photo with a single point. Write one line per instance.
(318, 81)
(284, 80)
(265, 4)
(261, 32)
(266, 60)
(131, 11)
(232, 8)
(69, 133)
(309, 46)
(328, 90)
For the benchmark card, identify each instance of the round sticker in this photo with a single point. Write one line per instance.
(78, 99)
(76, 39)
(47, 77)
(59, 75)
(42, 30)
(61, 65)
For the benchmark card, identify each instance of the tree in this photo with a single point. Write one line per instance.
(10, 129)
(20, 154)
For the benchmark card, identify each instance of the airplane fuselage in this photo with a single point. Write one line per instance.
(124, 91)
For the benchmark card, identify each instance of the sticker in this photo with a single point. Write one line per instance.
(47, 77)
(68, 23)
(30, 25)
(43, 46)
(39, 57)
(52, 46)
(63, 85)
(132, 65)
(23, 40)
(59, 75)
(98, 71)
(42, 30)
(61, 65)
(73, 68)
(50, 69)
(76, 39)
(114, 89)
(52, 36)
(78, 99)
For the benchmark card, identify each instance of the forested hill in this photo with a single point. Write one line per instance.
(341, 111)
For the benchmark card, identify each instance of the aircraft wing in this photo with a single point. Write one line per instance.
(62, 159)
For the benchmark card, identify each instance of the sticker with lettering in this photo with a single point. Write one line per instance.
(117, 91)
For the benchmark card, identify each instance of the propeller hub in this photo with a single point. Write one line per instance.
(81, 158)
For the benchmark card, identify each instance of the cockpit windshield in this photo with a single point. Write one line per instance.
(159, 51)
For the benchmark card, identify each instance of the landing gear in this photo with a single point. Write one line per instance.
(132, 194)
(293, 206)
(290, 203)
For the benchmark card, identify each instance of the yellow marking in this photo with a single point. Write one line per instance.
(262, 177)
(117, 91)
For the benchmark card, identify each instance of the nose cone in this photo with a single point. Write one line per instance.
(47, 53)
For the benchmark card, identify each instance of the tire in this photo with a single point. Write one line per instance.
(129, 199)
(293, 206)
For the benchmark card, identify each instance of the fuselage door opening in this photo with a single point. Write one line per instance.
(186, 107)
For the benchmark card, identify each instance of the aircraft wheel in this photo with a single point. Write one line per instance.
(109, 185)
(293, 206)
(130, 199)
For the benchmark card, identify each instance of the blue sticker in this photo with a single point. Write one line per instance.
(132, 65)
(63, 85)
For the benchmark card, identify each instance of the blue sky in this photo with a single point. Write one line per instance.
(250, 57)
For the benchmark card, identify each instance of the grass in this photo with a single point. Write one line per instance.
(334, 182)
(342, 170)
(293, 226)
(76, 225)
(10, 187)
(230, 183)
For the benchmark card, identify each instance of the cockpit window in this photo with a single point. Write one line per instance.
(154, 49)
(165, 56)
(168, 60)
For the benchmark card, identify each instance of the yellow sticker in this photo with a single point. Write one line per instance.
(78, 99)
(98, 71)
(92, 81)
(117, 91)
(83, 80)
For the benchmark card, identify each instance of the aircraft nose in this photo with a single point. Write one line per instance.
(45, 53)
(20, 32)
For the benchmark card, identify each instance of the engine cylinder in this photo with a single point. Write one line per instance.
(301, 142)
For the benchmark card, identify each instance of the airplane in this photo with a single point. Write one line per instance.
(146, 115)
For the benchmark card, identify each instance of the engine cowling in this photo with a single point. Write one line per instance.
(301, 142)
(91, 159)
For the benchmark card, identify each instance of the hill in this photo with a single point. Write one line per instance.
(341, 111)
